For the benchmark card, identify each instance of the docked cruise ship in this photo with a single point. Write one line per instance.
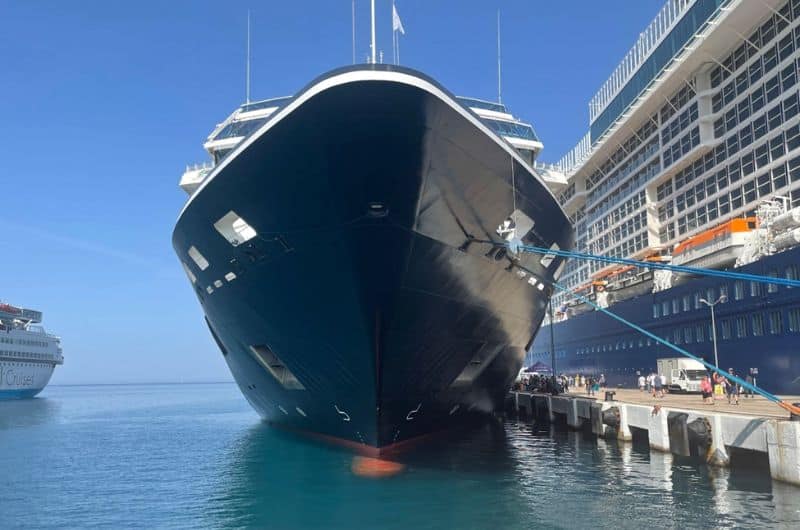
(353, 249)
(692, 157)
(28, 355)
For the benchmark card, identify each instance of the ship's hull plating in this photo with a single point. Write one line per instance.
(592, 343)
(23, 379)
(366, 280)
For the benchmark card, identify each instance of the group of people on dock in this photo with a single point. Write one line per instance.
(713, 387)
(654, 383)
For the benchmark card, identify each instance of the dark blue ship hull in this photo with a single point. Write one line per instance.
(759, 327)
(366, 281)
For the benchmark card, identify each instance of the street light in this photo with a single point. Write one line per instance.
(722, 299)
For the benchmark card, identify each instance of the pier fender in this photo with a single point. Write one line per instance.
(596, 419)
(700, 437)
(611, 417)
(678, 433)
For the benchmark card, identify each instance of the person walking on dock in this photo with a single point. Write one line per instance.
(732, 388)
(716, 381)
(658, 391)
(642, 383)
(705, 390)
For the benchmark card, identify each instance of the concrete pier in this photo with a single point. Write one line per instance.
(681, 425)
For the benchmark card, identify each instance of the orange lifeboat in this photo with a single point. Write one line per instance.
(715, 234)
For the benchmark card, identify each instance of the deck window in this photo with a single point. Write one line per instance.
(726, 329)
(772, 287)
(738, 290)
(758, 325)
(235, 229)
(741, 327)
(794, 320)
(775, 322)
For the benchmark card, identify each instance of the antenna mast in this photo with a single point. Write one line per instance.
(247, 70)
(354, 31)
(499, 62)
(373, 32)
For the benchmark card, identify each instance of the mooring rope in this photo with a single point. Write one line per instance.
(675, 268)
(771, 397)
(658, 265)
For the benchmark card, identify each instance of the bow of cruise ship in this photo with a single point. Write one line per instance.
(352, 247)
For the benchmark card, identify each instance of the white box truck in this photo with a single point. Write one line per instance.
(683, 375)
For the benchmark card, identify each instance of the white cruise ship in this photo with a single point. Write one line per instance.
(28, 355)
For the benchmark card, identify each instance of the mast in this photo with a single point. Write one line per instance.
(499, 70)
(247, 68)
(354, 31)
(373, 32)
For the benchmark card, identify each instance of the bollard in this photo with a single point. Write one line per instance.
(610, 395)
(795, 417)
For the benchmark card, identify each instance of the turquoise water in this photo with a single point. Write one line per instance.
(180, 456)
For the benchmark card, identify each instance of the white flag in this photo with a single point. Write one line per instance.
(397, 24)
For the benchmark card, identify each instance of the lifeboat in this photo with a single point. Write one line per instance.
(716, 247)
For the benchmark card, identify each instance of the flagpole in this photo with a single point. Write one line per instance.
(394, 38)
(373, 32)
(499, 71)
(354, 31)
(247, 69)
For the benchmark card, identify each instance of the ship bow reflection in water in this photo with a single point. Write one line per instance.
(196, 455)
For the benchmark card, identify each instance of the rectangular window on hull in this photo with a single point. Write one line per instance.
(758, 325)
(738, 290)
(235, 229)
(198, 258)
(794, 320)
(267, 358)
(726, 329)
(188, 272)
(775, 323)
(741, 327)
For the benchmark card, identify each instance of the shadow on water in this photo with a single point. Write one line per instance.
(15, 413)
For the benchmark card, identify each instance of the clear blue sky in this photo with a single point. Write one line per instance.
(103, 103)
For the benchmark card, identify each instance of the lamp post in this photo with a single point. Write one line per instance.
(722, 299)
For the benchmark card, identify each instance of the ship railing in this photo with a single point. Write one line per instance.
(648, 40)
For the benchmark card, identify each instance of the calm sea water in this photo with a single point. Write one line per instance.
(197, 456)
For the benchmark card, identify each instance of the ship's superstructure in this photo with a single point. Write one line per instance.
(693, 157)
(352, 247)
(28, 354)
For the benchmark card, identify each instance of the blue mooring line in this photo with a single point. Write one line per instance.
(745, 384)
(676, 268)
(662, 266)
